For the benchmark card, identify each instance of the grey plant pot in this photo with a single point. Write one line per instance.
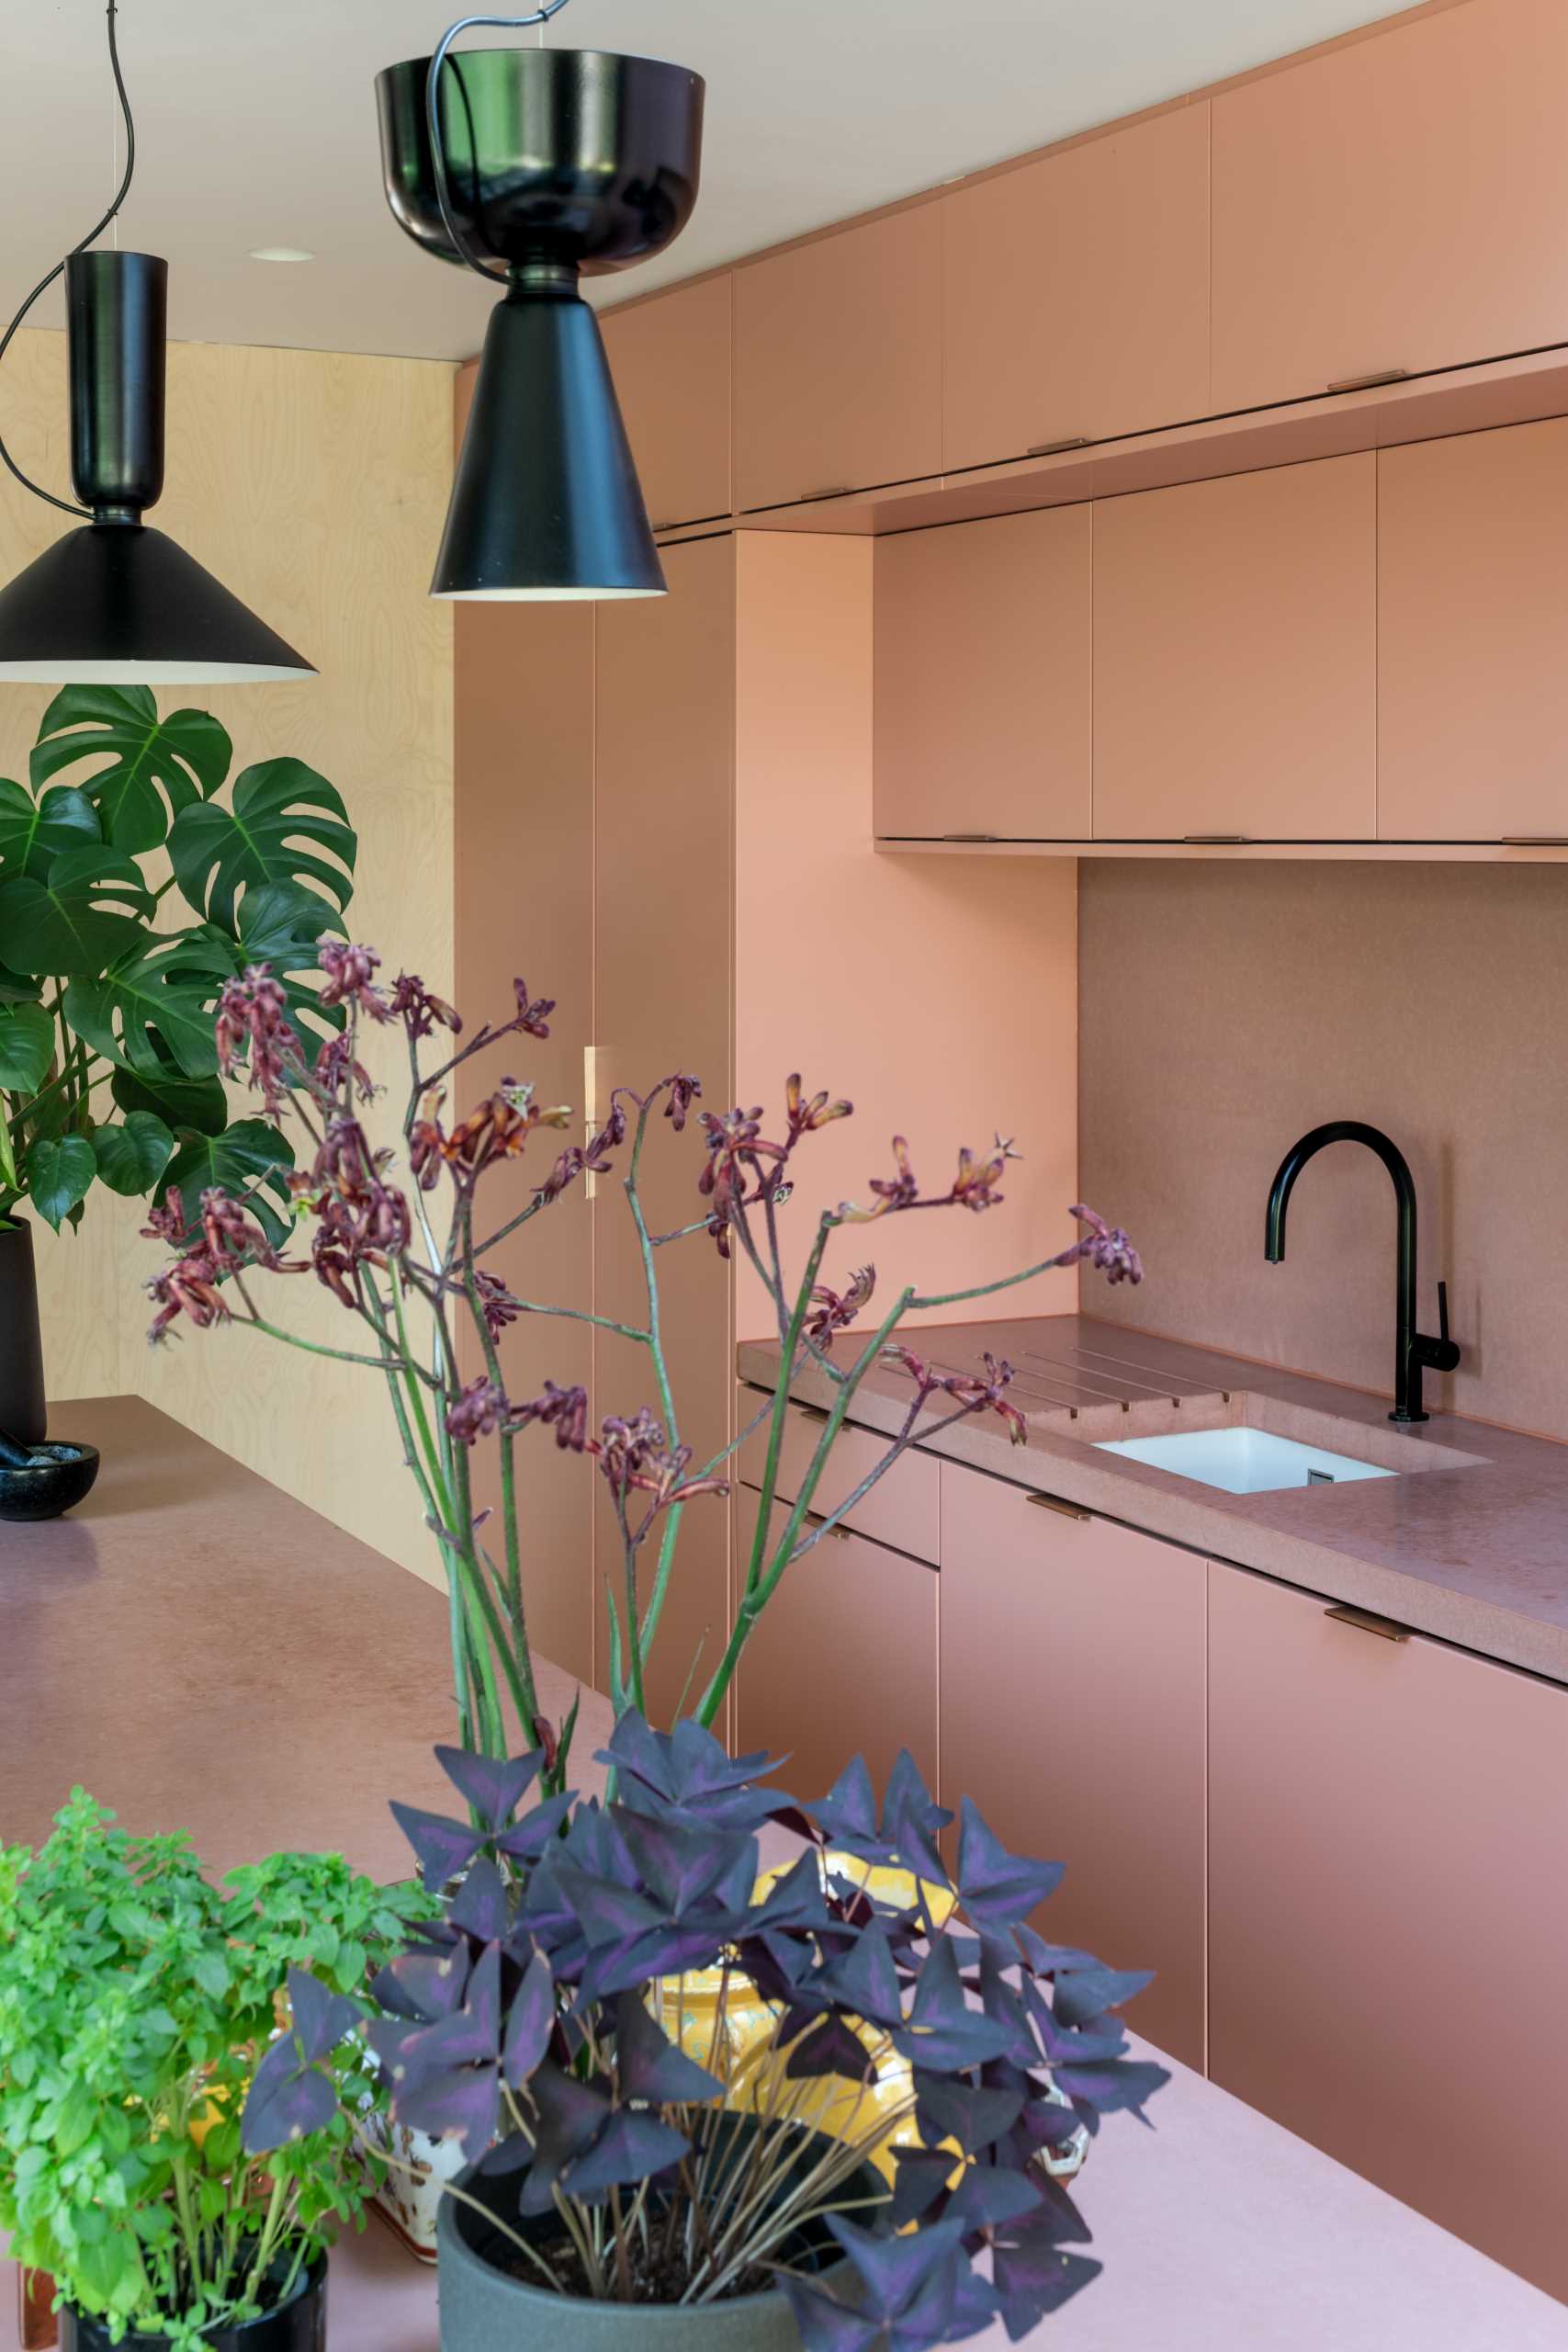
(483, 2309)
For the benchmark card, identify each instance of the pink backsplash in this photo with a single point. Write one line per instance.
(1224, 1009)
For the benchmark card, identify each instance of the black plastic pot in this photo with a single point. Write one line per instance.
(485, 2309)
(21, 1345)
(298, 2325)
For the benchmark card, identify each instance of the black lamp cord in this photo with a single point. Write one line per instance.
(540, 15)
(65, 505)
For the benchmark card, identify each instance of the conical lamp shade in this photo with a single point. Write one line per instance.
(546, 504)
(120, 604)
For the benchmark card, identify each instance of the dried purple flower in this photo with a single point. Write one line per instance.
(351, 977)
(337, 1067)
(635, 1456)
(532, 1014)
(253, 1021)
(836, 1310)
(496, 1303)
(1107, 1247)
(418, 1009)
(807, 1116)
(974, 1186)
(683, 1093)
(563, 1410)
(480, 1408)
(969, 1391)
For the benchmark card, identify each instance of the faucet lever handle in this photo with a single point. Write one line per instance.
(1442, 1310)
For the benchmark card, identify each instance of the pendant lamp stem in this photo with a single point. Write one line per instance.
(92, 236)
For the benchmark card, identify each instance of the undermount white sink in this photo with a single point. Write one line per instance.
(1244, 1461)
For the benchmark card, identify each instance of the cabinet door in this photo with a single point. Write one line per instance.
(1072, 1713)
(664, 881)
(1076, 293)
(1235, 657)
(843, 1661)
(838, 362)
(671, 361)
(1472, 616)
(1388, 1911)
(1397, 203)
(984, 664)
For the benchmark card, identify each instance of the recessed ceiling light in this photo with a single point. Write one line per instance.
(280, 252)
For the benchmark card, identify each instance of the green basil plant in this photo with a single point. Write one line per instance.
(137, 2001)
(108, 1070)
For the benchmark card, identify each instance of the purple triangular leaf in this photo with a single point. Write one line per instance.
(1082, 1994)
(528, 1840)
(652, 2067)
(949, 2110)
(423, 1986)
(530, 2022)
(848, 1811)
(832, 2047)
(997, 1889)
(632, 2146)
(286, 2102)
(492, 1786)
(444, 1847)
(463, 2104)
(825, 2324)
(863, 1978)
(479, 1908)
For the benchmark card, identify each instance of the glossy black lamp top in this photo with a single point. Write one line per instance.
(579, 156)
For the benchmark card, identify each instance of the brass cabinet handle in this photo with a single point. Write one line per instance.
(1054, 448)
(834, 490)
(812, 1412)
(840, 1533)
(1364, 1621)
(1534, 840)
(1369, 383)
(969, 837)
(1057, 1503)
(1233, 841)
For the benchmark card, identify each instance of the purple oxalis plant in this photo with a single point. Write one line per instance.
(397, 1236)
(527, 2023)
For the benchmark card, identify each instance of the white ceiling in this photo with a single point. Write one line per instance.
(256, 126)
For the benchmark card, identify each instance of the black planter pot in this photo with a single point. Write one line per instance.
(298, 2325)
(21, 1345)
(485, 2309)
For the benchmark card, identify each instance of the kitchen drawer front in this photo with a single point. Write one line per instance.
(903, 1508)
(1072, 1715)
(843, 1663)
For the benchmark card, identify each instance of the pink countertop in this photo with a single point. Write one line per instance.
(199, 1650)
(1475, 1555)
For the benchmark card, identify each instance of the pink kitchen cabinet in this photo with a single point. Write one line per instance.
(843, 1661)
(1076, 293)
(664, 709)
(669, 357)
(1472, 616)
(1393, 204)
(1072, 1713)
(984, 664)
(838, 362)
(1236, 657)
(1388, 1910)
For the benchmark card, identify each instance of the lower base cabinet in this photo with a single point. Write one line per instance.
(1072, 1713)
(1388, 1874)
(843, 1661)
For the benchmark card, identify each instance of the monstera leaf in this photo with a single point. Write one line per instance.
(58, 1175)
(288, 824)
(72, 921)
(198, 1104)
(131, 1157)
(240, 1160)
(152, 768)
(31, 832)
(148, 1010)
(26, 1048)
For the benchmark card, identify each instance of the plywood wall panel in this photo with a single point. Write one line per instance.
(314, 486)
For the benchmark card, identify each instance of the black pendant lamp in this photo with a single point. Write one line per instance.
(116, 603)
(532, 168)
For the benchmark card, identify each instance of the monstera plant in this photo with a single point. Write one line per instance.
(135, 880)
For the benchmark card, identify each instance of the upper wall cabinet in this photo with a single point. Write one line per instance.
(983, 666)
(1472, 615)
(838, 362)
(670, 362)
(1075, 294)
(1395, 205)
(1235, 658)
